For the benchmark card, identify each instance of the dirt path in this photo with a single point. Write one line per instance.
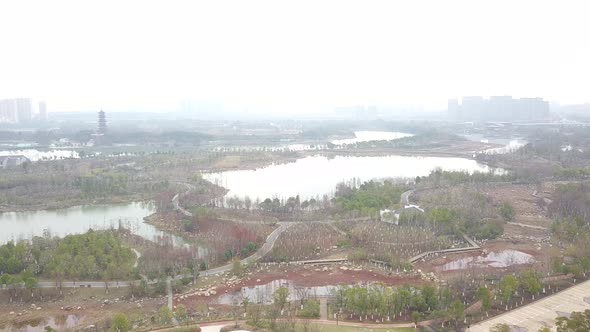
(527, 226)
(323, 308)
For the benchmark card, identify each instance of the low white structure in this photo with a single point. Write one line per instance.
(392, 216)
(389, 216)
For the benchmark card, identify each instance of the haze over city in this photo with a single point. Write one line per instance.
(294, 166)
(298, 58)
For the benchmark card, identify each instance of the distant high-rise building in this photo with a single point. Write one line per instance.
(8, 111)
(498, 108)
(42, 111)
(454, 108)
(24, 109)
(102, 122)
(16, 110)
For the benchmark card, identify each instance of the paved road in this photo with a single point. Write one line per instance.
(542, 313)
(265, 249)
(405, 197)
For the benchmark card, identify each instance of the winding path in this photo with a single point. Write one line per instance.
(265, 249)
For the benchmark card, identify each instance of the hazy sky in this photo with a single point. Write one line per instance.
(291, 55)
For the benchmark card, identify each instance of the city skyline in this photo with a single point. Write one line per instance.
(291, 59)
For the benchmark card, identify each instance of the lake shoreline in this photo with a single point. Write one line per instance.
(51, 206)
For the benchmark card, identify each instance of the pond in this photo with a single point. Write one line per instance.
(36, 155)
(38, 325)
(500, 259)
(315, 176)
(367, 136)
(263, 293)
(78, 219)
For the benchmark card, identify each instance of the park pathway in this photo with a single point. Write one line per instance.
(323, 308)
(541, 313)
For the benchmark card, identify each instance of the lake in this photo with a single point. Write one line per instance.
(78, 219)
(317, 175)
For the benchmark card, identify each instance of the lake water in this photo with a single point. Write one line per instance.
(36, 155)
(315, 176)
(501, 259)
(263, 293)
(38, 325)
(78, 219)
(367, 136)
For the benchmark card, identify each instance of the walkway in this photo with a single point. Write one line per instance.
(176, 198)
(405, 197)
(527, 226)
(216, 326)
(265, 249)
(542, 313)
(472, 247)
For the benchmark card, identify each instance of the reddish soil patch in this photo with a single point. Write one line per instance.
(309, 278)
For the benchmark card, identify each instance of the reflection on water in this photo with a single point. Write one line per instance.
(78, 219)
(263, 293)
(367, 136)
(499, 259)
(39, 324)
(315, 176)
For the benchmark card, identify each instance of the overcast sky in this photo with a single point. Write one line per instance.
(291, 55)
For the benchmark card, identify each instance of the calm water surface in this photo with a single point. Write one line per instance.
(500, 259)
(315, 176)
(78, 219)
(38, 325)
(263, 293)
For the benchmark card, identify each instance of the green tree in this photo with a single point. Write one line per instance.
(531, 282)
(457, 311)
(181, 314)
(578, 321)
(311, 309)
(485, 296)
(237, 268)
(29, 280)
(280, 298)
(416, 318)
(165, 315)
(508, 286)
(500, 328)
(506, 211)
(429, 295)
(120, 323)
